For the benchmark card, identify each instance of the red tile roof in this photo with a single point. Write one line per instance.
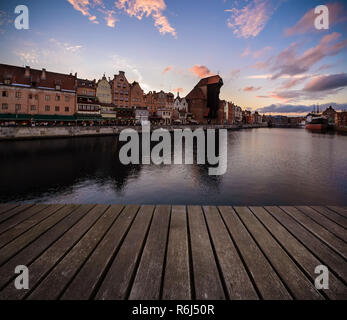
(36, 78)
(209, 80)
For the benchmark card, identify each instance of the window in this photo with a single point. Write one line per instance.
(67, 98)
(47, 98)
(4, 106)
(30, 96)
(67, 109)
(18, 94)
(57, 109)
(57, 87)
(91, 93)
(7, 81)
(118, 85)
(84, 92)
(5, 94)
(57, 98)
(18, 107)
(36, 97)
(47, 108)
(32, 108)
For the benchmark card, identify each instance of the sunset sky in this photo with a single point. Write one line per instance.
(268, 52)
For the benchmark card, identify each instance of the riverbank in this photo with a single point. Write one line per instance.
(28, 133)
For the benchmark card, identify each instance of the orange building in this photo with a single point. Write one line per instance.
(120, 91)
(136, 96)
(30, 93)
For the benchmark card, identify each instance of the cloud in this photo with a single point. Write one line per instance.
(259, 53)
(167, 69)
(154, 8)
(306, 23)
(289, 63)
(110, 18)
(246, 52)
(290, 108)
(324, 83)
(235, 73)
(293, 82)
(250, 89)
(251, 19)
(201, 71)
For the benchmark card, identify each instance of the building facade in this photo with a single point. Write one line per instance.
(120, 91)
(36, 94)
(204, 101)
(88, 105)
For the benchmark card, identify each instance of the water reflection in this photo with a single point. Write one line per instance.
(265, 167)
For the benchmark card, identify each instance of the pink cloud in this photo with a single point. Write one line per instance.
(250, 89)
(167, 69)
(201, 71)
(154, 8)
(259, 53)
(306, 23)
(250, 20)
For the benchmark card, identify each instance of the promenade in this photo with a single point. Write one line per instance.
(172, 252)
(20, 133)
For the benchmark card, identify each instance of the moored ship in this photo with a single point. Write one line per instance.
(316, 122)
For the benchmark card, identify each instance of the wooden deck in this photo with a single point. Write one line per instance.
(151, 253)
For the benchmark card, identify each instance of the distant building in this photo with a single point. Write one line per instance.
(180, 104)
(257, 118)
(30, 94)
(247, 117)
(330, 113)
(341, 119)
(104, 91)
(204, 102)
(165, 115)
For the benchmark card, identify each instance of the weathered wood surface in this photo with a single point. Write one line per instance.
(81, 252)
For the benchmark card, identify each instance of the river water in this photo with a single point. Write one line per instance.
(265, 167)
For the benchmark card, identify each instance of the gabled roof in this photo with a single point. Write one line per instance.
(41, 78)
(210, 80)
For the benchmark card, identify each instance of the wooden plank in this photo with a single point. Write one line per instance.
(340, 210)
(330, 239)
(177, 280)
(329, 257)
(53, 285)
(16, 230)
(236, 280)
(46, 262)
(14, 211)
(332, 215)
(207, 282)
(268, 283)
(117, 283)
(13, 221)
(91, 274)
(300, 287)
(148, 279)
(26, 238)
(298, 252)
(4, 207)
(37, 247)
(325, 222)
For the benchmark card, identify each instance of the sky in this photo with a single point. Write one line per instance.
(268, 52)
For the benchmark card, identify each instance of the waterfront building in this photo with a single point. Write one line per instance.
(257, 118)
(341, 119)
(88, 106)
(36, 95)
(104, 91)
(180, 104)
(204, 102)
(330, 113)
(165, 115)
(120, 91)
(247, 117)
(136, 96)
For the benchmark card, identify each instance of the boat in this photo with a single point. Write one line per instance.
(316, 122)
